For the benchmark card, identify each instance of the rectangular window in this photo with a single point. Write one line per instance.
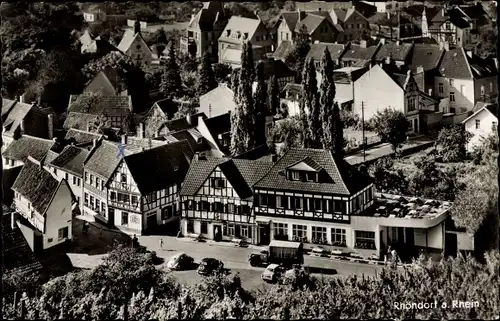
(124, 218)
(230, 208)
(365, 240)
(102, 185)
(411, 104)
(299, 203)
(246, 231)
(299, 232)
(86, 199)
(339, 206)
(311, 177)
(482, 90)
(452, 96)
(478, 123)
(218, 207)
(97, 182)
(123, 178)
(282, 201)
(204, 228)
(287, 36)
(112, 196)
(126, 198)
(97, 205)
(166, 213)
(91, 179)
(263, 200)
(494, 125)
(338, 237)
(218, 182)
(295, 176)
(190, 226)
(135, 200)
(281, 231)
(55, 171)
(91, 201)
(74, 180)
(63, 233)
(67, 177)
(205, 206)
(230, 230)
(318, 234)
(451, 82)
(441, 88)
(317, 204)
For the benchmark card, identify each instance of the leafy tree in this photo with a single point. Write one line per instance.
(221, 72)
(273, 95)
(327, 96)
(238, 135)
(160, 37)
(287, 132)
(206, 78)
(188, 107)
(19, 69)
(296, 59)
(283, 111)
(189, 82)
(245, 94)
(235, 83)
(187, 62)
(120, 62)
(387, 178)
(261, 111)
(338, 134)
(391, 126)
(451, 143)
(171, 84)
(310, 91)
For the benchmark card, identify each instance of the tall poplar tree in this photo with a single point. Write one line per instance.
(338, 134)
(327, 96)
(171, 83)
(273, 95)
(247, 74)
(261, 111)
(235, 83)
(206, 77)
(310, 92)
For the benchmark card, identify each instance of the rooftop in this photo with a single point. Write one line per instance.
(397, 51)
(80, 136)
(13, 114)
(357, 52)
(317, 49)
(26, 146)
(71, 160)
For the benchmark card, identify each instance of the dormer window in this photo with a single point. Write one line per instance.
(228, 33)
(295, 176)
(311, 177)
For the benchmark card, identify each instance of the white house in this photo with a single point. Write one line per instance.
(481, 124)
(465, 79)
(133, 45)
(45, 203)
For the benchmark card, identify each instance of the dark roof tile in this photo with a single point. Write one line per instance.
(26, 146)
(317, 49)
(398, 52)
(80, 136)
(109, 105)
(426, 55)
(219, 125)
(71, 160)
(356, 52)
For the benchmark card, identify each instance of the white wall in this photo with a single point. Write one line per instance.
(435, 237)
(133, 227)
(59, 215)
(486, 120)
(464, 93)
(377, 91)
(465, 242)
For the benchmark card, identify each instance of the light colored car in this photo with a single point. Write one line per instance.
(180, 261)
(273, 273)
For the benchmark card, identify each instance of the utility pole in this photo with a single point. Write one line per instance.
(363, 122)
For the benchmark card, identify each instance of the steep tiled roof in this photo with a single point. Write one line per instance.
(79, 121)
(71, 160)
(206, 17)
(356, 52)
(18, 256)
(276, 68)
(128, 38)
(198, 173)
(317, 49)
(455, 65)
(219, 125)
(341, 14)
(160, 167)
(283, 50)
(51, 155)
(7, 105)
(114, 78)
(311, 22)
(290, 18)
(197, 142)
(36, 185)
(426, 55)
(340, 177)
(15, 116)
(81, 137)
(241, 24)
(217, 101)
(182, 123)
(105, 159)
(26, 146)
(110, 105)
(398, 52)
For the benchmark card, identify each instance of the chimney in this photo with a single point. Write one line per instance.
(382, 41)
(124, 139)
(141, 130)
(442, 12)
(22, 98)
(362, 43)
(50, 125)
(256, 14)
(137, 26)
(319, 9)
(196, 156)
(189, 119)
(446, 46)
(420, 69)
(430, 91)
(469, 53)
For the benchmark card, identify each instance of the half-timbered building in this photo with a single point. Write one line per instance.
(142, 190)
(310, 196)
(217, 198)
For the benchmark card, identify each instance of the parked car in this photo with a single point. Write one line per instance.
(180, 261)
(210, 266)
(273, 273)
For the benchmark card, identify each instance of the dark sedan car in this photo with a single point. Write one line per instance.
(210, 266)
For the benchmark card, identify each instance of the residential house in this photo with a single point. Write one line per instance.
(20, 119)
(195, 139)
(366, 9)
(109, 82)
(217, 198)
(240, 29)
(190, 121)
(94, 14)
(217, 132)
(148, 125)
(17, 153)
(218, 101)
(318, 48)
(85, 113)
(45, 203)
(204, 30)
(355, 26)
(68, 165)
(91, 44)
(424, 63)
(481, 124)
(359, 55)
(386, 86)
(18, 256)
(451, 26)
(465, 79)
(134, 46)
(397, 51)
(313, 197)
(318, 24)
(143, 187)
(81, 138)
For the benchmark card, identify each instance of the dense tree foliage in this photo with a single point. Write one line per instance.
(310, 91)
(273, 96)
(206, 78)
(171, 83)
(296, 59)
(387, 178)
(128, 284)
(287, 132)
(222, 72)
(451, 143)
(391, 126)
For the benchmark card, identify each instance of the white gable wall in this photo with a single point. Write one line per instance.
(486, 120)
(377, 91)
(58, 216)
